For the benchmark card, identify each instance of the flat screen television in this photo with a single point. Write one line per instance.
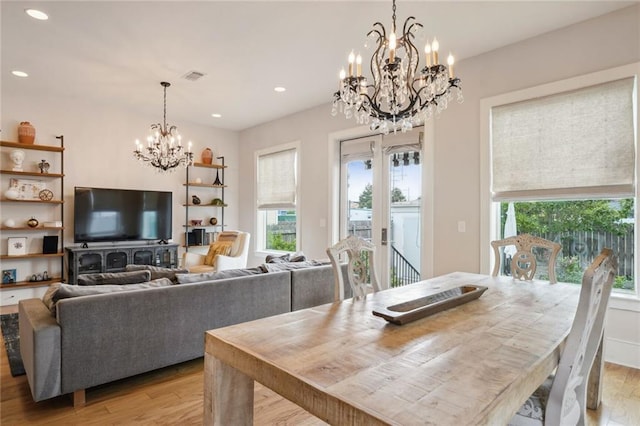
(106, 215)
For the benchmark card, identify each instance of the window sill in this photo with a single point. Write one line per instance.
(625, 302)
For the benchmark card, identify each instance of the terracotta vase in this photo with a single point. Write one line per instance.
(207, 156)
(26, 133)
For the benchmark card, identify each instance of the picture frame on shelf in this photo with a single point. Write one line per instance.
(9, 276)
(28, 189)
(17, 246)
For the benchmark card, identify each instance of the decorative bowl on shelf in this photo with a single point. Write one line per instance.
(196, 222)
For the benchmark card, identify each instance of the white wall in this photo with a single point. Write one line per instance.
(311, 128)
(605, 42)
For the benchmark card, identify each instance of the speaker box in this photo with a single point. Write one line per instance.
(198, 236)
(191, 239)
(50, 244)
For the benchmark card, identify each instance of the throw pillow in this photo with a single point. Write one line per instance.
(277, 259)
(227, 236)
(276, 267)
(47, 299)
(219, 247)
(59, 291)
(208, 276)
(157, 271)
(133, 277)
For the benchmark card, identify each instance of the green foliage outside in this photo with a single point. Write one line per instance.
(543, 217)
(565, 217)
(276, 242)
(365, 198)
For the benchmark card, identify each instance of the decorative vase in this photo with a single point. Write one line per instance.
(26, 133)
(207, 156)
(44, 166)
(213, 221)
(33, 222)
(195, 199)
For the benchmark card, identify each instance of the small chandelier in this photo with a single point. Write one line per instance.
(402, 95)
(164, 144)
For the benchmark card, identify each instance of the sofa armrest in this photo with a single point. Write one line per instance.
(40, 348)
(192, 259)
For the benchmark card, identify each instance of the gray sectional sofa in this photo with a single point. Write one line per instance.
(96, 339)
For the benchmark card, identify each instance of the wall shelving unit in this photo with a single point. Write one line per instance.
(33, 207)
(205, 208)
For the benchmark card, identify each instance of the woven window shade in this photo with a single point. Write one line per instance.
(277, 180)
(569, 145)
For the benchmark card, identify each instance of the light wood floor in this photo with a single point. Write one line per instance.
(173, 396)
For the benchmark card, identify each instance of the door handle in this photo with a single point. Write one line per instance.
(383, 239)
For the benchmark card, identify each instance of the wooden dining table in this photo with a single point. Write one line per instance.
(471, 364)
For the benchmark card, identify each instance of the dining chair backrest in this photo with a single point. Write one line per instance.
(361, 272)
(568, 395)
(523, 262)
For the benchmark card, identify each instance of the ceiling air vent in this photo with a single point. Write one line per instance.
(193, 75)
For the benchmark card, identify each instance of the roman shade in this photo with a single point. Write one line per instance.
(577, 144)
(277, 180)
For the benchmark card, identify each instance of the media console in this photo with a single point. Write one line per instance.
(91, 260)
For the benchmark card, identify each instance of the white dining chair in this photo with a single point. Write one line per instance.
(361, 272)
(562, 399)
(523, 262)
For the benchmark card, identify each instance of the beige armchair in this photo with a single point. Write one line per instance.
(236, 259)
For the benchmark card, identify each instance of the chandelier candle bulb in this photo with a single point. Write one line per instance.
(358, 65)
(427, 54)
(392, 47)
(450, 62)
(434, 48)
(352, 59)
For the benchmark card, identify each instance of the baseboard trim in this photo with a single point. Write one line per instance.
(622, 352)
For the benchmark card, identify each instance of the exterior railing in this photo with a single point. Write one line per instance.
(402, 271)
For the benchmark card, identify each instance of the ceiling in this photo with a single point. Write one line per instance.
(117, 52)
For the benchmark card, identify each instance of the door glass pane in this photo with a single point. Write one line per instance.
(359, 198)
(405, 197)
(583, 227)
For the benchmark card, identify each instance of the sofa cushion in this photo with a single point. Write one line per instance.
(219, 247)
(208, 276)
(59, 291)
(157, 271)
(133, 277)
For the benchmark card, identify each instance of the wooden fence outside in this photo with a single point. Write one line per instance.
(586, 245)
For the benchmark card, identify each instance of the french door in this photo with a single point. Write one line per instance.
(381, 201)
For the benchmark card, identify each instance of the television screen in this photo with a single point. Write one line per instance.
(102, 214)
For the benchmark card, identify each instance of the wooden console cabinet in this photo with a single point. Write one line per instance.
(98, 259)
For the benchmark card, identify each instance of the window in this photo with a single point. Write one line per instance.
(564, 156)
(277, 198)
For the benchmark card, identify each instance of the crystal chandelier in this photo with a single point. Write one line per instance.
(402, 95)
(164, 144)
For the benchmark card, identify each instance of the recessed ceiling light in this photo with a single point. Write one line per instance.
(216, 115)
(37, 14)
(19, 73)
(279, 89)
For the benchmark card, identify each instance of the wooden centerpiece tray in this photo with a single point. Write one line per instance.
(421, 307)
